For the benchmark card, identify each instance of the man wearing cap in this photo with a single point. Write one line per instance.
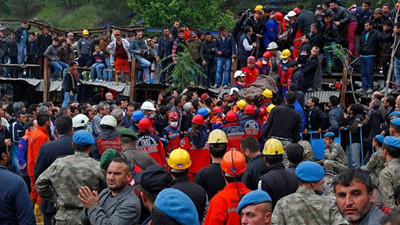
(389, 177)
(394, 129)
(61, 181)
(376, 164)
(118, 114)
(116, 204)
(108, 137)
(307, 206)
(355, 197)
(48, 153)
(250, 70)
(255, 208)
(83, 47)
(152, 181)
(173, 207)
(251, 126)
(276, 180)
(335, 159)
(128, 139)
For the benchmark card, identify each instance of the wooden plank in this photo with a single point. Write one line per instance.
(132, 90)
(46, 80)
(19, 65)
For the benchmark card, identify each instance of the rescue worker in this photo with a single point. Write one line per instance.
(389, 177)
(195, 142)
(285, 72)
(264, 64)
(276, 180)
(149, 111)
(172, 133)
(240, 82)
(262, 106)
(136, 117)
(255, 208)
(218, 119)
(335, 159)
(233, 130)
(150, 143)
(223, 206)
(179, 163)
(241, 104)
(108, 138)
(251, 126)
(251, 70)
(307, 206)
(210, 177)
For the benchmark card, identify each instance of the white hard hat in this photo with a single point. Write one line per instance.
(148, 106)
(233, 89)
(291, 14)
(239, 73)
(286, 18)
(272, 46)
(109, 121)
(80, 120)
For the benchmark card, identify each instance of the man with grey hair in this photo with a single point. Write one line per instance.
(18, 106)
(102, 110)
(118, 114)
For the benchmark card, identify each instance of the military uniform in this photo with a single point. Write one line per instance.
(335, 159)
(389, 179)
(306, 207)
(375, 166)
(308, 153)
(66, 175)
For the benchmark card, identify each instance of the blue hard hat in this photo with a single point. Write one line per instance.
(329, 134)
(252, 198)
(178, 206)
(137, 115)
(203, 111)
(392, 141)
(82, 137)
(310, 171)
(380, 138)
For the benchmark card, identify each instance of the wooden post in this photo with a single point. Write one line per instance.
(46, 80)
(132, 91)
(234, 68)
(343, 90)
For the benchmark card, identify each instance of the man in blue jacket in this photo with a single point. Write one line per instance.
(225, 49)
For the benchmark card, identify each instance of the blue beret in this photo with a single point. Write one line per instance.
(252, 198)
(82, 137)
(310, 171)
(396, 121)
(395, 113)
(329, 134)
(392, 141)
(177, 205)
(379, 138)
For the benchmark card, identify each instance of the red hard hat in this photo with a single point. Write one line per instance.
(217, 109)
(231, 117)
(249, 110)
(296, 10)
(267, 54)
(173, 115)
(278, 16)
(198, 119)
(144, 124)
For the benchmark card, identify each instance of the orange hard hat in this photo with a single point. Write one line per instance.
(233, 163)
(144, 124)
(231, 117)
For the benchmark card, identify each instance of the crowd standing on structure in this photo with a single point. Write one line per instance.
(258, 154)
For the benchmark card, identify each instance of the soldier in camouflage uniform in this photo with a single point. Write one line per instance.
(61, 181)
(335, 159)
(377, 162)
(308, 154)
(306, 206)
(389, 177)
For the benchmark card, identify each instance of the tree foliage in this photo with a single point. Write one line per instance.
(196, 14)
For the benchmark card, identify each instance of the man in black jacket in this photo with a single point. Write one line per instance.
(21, 34)
(44, 40)
(284, 122)
(367, 50)
(48, 153)
(310, 68)
(207, 60)
(70, 83)
(317, 39)
(316, 118)
(255, 162)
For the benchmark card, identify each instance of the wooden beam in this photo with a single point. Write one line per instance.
(132, 91)
(46, 80)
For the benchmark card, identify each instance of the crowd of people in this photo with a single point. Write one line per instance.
(247, 157)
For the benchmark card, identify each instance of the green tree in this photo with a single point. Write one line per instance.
(22, 9)
(196, 14)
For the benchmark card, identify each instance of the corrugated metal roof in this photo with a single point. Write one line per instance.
(322, 95)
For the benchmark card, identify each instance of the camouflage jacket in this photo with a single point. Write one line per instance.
(335, 152)
(376, 163)
(389, 179)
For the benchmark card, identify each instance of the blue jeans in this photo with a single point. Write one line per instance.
(68, 98)
(97, 67)
(328, 56)
(21, 52)
(58, 66)
(4, 60)
(108, 74)
(367, 77)
(397, 71)
(221, 62)
(144, 64)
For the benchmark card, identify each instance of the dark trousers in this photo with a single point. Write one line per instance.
(14, 71)
(164, 75)
(33, 71)
(209, 72)
(82, 61)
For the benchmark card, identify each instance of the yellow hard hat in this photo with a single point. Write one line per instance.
(179, 159)
(285, 54)
(241, 103)
(267, 93)
(270, 107)
(217, 136)
(258, 7)
(85, 32)
(273, 147)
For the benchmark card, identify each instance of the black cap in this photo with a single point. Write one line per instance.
(154, 179)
